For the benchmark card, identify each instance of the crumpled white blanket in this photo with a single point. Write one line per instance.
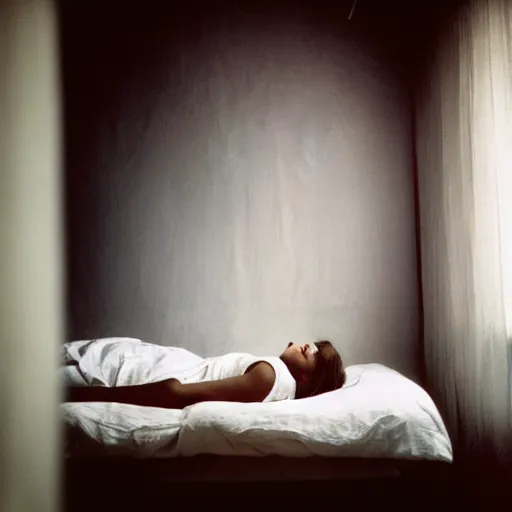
(378, 413)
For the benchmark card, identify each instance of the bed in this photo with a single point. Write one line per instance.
(380, 427)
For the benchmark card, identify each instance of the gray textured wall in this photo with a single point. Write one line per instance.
(237, 180)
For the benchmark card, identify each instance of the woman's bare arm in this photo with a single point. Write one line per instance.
(253, 386)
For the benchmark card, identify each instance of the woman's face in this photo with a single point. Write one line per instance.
(301, 358)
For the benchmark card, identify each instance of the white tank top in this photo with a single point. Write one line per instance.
(235, 364)
(130, 361)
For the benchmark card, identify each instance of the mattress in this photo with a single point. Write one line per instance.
(379, 413)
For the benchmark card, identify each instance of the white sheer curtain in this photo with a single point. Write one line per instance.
(464, 142)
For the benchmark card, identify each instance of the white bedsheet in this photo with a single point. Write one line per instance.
(378, 413)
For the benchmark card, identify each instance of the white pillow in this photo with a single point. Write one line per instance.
(353, 374)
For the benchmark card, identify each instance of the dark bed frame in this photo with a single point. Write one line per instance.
(123, 484)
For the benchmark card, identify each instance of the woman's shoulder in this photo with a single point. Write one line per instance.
(284, 384)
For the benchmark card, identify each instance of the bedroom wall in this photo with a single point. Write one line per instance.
(240, 178)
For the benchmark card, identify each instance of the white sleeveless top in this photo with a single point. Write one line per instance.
(235, 364)
(130, 361)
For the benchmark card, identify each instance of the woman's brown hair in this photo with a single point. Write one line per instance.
(329, 373)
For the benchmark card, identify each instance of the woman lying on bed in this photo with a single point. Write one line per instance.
(127, 370)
